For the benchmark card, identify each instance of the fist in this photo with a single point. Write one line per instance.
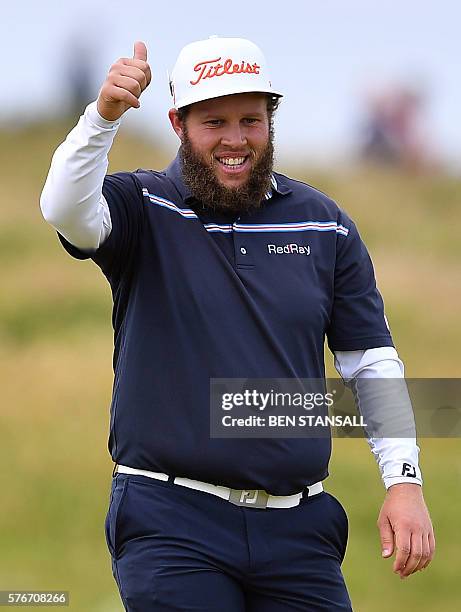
(126, 81)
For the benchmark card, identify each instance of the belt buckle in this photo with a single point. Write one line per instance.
(250, 498)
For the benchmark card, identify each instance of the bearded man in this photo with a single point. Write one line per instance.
(221, 267)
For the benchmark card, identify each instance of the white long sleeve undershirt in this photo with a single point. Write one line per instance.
(390, 453)
(72, 202)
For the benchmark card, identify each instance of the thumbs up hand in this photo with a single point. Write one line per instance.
(126, 80)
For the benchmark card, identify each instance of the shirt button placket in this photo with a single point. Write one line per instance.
(242, 250)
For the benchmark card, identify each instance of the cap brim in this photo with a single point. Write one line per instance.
(196, 98)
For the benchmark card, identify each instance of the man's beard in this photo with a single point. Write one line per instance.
(203, 184)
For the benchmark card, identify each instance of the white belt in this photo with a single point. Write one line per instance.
(252, 498)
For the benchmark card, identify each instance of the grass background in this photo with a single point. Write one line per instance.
(56, 377)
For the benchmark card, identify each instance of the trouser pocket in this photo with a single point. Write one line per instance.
(340, 525)
(117, 497)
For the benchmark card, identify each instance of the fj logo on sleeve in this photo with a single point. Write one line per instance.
(288, 249)
(408, 470)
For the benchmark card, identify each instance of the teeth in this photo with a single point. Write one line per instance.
(232, 161)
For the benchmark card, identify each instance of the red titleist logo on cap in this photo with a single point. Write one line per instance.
(212, 68)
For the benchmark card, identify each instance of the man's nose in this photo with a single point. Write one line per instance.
(234, 136)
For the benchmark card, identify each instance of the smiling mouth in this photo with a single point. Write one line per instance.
(232, 164)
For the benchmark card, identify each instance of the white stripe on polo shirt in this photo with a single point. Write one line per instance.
(216, 227)
(298, 226)
(155, 199)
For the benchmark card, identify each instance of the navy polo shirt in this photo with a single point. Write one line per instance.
(200, 295)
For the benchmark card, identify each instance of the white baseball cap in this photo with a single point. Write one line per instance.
(217, 67)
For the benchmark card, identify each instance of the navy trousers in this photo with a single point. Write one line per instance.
(177, 549)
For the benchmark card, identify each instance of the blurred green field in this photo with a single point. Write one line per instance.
(56, 377)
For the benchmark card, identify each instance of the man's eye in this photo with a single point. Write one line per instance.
(213, 122)
(251, 120)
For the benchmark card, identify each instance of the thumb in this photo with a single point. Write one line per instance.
(140, 51)
(387, 538)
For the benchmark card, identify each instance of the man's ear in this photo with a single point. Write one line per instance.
(176, 123)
